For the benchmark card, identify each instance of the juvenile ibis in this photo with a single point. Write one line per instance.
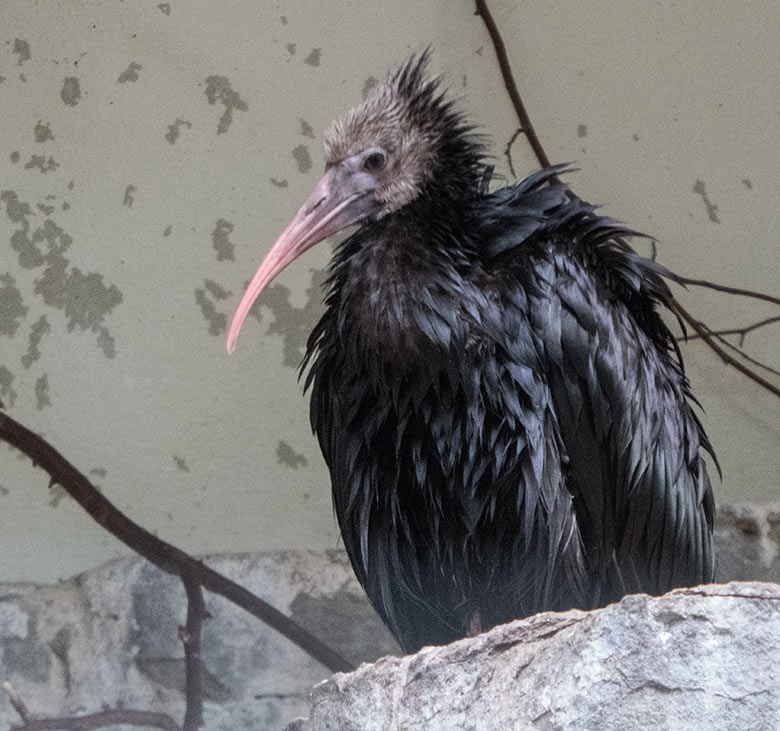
(504, 414)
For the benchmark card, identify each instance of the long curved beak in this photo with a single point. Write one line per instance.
(338, 200)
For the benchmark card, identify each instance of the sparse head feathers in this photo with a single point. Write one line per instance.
(408, 118)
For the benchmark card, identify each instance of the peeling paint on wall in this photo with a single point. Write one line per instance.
(130, 74)
(41, 163)
(43, 132)
(368, 85)
(71, 91)
(180, 463)
(12, 308)
(221, 242)
(286, 455)
(7, 392)
(83, 297)
(306, 129)
(174, 129)
(294, 324)
(218, 89)
(128, 198)
(302, 158)
(42, 392)
(22, 49)
(217, 320)
(712, 209)
(313, 59)
(40, 328)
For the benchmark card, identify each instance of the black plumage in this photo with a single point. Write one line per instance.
(504, 413)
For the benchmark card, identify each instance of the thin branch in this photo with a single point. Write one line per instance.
(511, 87)
(725, 288)
(508, 150)
(705, 333)
(190, 637)
(741, 331)
(16, 702)
(702, 330)
(165, 556)
(103, 719)
(742, 354)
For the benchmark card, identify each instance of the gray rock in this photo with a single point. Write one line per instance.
(110, 637)
(703, 658)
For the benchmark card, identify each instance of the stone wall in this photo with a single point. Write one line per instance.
(109, 637)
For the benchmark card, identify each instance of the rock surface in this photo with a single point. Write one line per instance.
(703, 658)
(110, 636)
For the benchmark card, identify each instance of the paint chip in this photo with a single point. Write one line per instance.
(165, 8)
(22, 49)
(71, 91)
(313, 59)
(174, 129)
(294, 324)
(7, 392)
(302, 158)
(43, 132)
(712, 209)
(40, 328)
(369, 84)
(130, 73)
(129, 198)
(180, 463)
(218, 89)
(306, 129)
(221, 242)
(286, 455)
(217, 320)
(41, 163)
(42, 399)
(12, 307)
(582, 130)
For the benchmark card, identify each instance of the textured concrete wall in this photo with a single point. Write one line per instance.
(151, 152)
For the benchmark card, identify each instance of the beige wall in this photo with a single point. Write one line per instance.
(134, 210)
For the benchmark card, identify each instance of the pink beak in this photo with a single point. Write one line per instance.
(341, 198)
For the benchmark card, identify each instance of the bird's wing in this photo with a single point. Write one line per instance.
(642, 496)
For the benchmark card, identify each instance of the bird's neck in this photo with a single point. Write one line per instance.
(403, 282)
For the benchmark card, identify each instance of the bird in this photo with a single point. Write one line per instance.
(503, 411)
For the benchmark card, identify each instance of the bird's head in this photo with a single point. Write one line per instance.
(380, 157)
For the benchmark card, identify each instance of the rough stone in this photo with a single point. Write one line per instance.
(110, 637)
(702, 658)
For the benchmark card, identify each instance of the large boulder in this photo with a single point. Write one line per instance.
(702, 658)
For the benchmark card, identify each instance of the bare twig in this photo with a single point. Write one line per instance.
(702, 330)
(508, 150)
(103, 719)
(163, 555)
(509, 82)
(727, 289)
(190, 638)
(16, 702)
(704, 333)
(741, 331)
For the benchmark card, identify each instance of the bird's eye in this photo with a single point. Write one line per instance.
(374, 161)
